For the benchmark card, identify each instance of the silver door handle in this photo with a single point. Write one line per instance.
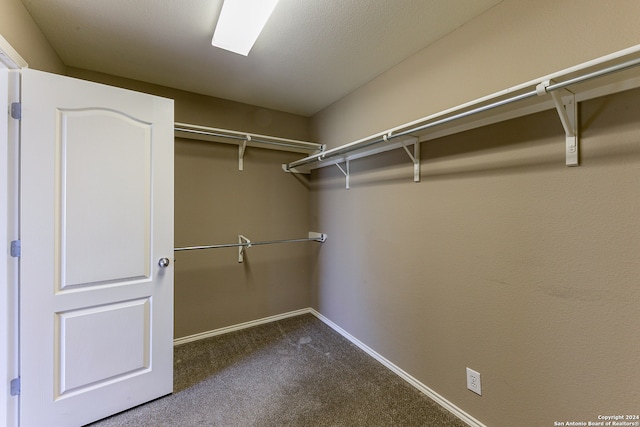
(163, 262)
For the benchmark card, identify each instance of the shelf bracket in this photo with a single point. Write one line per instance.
(567, 109)
(345, 172)
(241, 148)
(245, 243)
(415, 157)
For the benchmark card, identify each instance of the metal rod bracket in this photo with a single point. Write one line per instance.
(415, 157)
(567, 108)
(345, 172)
(319, 237)
(243, 243)
(241, 149)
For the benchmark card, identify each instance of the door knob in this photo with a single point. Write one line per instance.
(163, 262)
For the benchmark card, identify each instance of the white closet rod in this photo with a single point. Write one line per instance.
(357, 145)
(247, 137)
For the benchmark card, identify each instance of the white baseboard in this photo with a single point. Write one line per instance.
(238, 327)
(402, 374)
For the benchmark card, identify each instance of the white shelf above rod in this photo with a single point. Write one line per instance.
(244, 243)
(612, 73)
(244, 140)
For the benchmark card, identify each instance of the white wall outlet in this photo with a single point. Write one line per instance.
(473, 381)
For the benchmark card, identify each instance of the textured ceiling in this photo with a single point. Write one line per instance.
(310, 54)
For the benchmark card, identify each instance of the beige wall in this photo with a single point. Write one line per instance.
(214, 203)
(502, 259)
(17, 27)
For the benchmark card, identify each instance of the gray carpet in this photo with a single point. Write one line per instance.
(293, 372)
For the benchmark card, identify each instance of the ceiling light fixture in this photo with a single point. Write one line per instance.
(240, 23)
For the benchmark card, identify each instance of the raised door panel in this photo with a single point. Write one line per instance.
(105, 198)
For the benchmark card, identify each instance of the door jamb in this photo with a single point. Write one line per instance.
(10, 65)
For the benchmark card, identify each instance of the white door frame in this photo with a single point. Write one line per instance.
(10, 64)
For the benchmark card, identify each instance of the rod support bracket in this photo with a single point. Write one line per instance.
(567, 108)
(320, 237)
(241, 149)
(244, 244)
(345, 172)
(415, 156)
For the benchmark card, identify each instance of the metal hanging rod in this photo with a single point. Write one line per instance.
(553, 86)
(250, 243)
(244, 243)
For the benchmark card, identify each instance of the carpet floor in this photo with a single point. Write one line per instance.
(292, 372)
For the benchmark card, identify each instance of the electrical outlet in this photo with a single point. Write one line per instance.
(473, 381)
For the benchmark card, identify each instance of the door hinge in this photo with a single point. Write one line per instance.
(15, 248)
(15, 387)
(16, 110)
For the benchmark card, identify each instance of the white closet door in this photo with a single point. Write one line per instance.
(96, 308)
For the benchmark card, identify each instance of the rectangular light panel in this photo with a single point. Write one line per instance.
(240, 23)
